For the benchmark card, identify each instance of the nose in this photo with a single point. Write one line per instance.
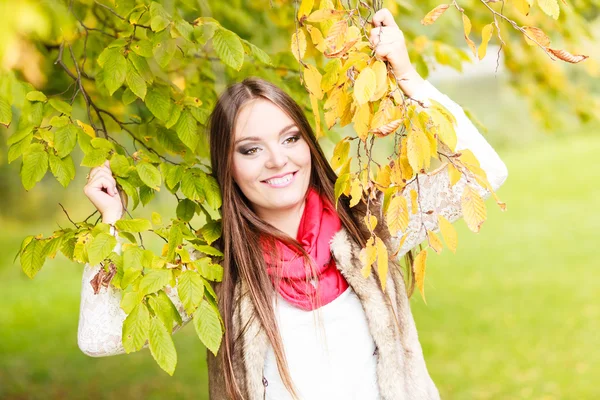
(277, 159)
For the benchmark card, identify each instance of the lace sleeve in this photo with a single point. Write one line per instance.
(436, 196)
(101, 317)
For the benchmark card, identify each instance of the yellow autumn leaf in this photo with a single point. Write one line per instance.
(312, 80)
(317, 38)
(434, 242)
(419, 268)
(382, 262)
(473, 208)
(364, 86)
(454, 174)
(314, 103)
(340, 154)
(336, 36)
(381, 80)
(362, 120)
(367, 257)
(414, 204)
(550, 7)
(537, 36)
(305, 8)
(467, 30)
(434, 14)
(298, 44)
(332, 73)
(86, 128)
(383, 176)
(448, 233)
(486, 35)
(405, 168)
(418, 150)
(325, 15)
(371, 222)
(355, 192)
(523, 6)
(568, 57)
(397, 215)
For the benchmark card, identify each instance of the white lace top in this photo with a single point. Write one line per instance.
(101, 318)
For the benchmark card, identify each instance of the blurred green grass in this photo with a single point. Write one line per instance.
(513, 315)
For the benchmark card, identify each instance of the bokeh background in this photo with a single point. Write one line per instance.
(515, 314)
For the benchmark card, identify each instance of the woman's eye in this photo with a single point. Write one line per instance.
(250, 151)
(292, 139)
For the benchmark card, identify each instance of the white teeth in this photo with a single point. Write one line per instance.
(280, 181)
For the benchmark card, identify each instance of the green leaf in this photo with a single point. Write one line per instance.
(146, 194)
(61, 106)
(95, 158)
(164, 51)
(62, 168)
(156, 218)
(65, 139)
(211, 231)
(5, 112)
(136, 83)
(190, 289)
(208, 326)
(212, 192)
(34, 167)
(19, 134)
(192, 184)
(16, 150)
(201, 114)
(159, 104)
(161, 346)
(165, 309)
(132, 264)
(175, 114)
(169, 140)
(187, 131)
(136, 328)
(186, 210)
(115, 70)
(119, 165)
(35, 114)
(209, 250)
(102, 245)
(133, 225)
(130, 190)
(212, 272)
(258, 53)
(128, 97)
(172, 174)
(36, 96)
(33, 257)
(101, 143)
(155, 280)
(229, 48)
(149, 174)
(142, 48)
(183, 29)
(141, 64)
(59, 122)
(175, 239)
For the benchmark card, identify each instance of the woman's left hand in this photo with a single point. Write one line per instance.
(388, 41)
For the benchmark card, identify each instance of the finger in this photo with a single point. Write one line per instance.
(99, 172)
(107, 164)
(104, 182)
(384, 49)
(383, 17)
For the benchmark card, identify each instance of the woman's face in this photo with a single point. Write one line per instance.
(271, 160)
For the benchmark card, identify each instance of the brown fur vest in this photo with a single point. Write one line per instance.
(401, 370)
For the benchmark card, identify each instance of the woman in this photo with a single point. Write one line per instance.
(276, 185)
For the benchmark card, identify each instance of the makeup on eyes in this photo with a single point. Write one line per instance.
(245, 150)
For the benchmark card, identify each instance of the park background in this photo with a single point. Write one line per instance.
(515, 314)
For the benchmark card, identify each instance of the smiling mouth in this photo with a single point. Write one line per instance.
(281, 181)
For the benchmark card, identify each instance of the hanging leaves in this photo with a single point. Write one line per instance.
(434, 14)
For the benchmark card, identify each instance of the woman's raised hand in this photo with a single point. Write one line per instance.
(389, 44)
(102, 191)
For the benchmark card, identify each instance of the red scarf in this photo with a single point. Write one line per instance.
(318, 225)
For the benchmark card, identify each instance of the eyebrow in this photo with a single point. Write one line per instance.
(256, 138)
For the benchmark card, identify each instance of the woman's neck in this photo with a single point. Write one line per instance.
(287, 221)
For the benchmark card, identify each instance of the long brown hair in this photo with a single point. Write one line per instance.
(242, 228)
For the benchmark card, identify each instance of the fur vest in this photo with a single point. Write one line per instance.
(401, 370)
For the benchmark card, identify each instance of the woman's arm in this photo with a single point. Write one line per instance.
(435, 192)
(101, 317)
(100, 314)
